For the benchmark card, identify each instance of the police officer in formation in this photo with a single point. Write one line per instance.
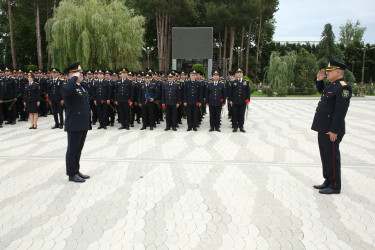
(239, 99)
(192, 98)
(215, 99)
(55, 99)
(21, 82)
(32, 95)
(124, 95)
(102, 96)
(147, 94)
(9, 96)
(329, 122)
(171, 98)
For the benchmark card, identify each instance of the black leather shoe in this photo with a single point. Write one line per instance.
(242, 130)
(166, 129)
(83, 176)
(195, 129)
(174, 129)
(234, 130)
(13, 123)
(61, 126)
(31, 128)
(56, 126)
(323, 186)
(211, 129)
(189, 129)
(131, 125)
(111, 124)
(218, 130)
(7, 122)
(105, 127)
(127, 128)
(151, 127)
(93, 123)
(329, 190)
(122, 127)
(100, 127)
(143, 128)
(180, 122)
(76, 178)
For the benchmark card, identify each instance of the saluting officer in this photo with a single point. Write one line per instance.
(10, 96)
(192, 96)
(171, 98)
(124, 98)
(55, 98)
(102, 96)
(329, 122)
(215, 98)
(77, 120)
(239, 99)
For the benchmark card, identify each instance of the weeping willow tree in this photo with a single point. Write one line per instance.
(279, 75)
(99, 34)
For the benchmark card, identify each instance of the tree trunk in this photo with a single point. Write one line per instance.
(14, 62)
(232, 31)
(49, 55)
(248, 51)
(225, 50)
(242, 41)
(258, 50)
(38, 37)
(220, 63)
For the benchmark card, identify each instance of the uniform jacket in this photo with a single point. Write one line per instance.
(124, 90)
(21, 83)
(9, 88)
(239, 92)
(171, 94)
(193, 92)
(77, 108)
(102, 91)
(143, 90)
(215, 95)
(32, 92)
(332, 107)
(53, 89)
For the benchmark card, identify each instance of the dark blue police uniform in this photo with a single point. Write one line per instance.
(330, 117)
(77, 122)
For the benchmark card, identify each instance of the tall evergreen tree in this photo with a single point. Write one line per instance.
(327, 48)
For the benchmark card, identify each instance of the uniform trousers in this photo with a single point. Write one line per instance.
(238, 115)
(102, 112)
(76, 140)
(192, 111)
(94, 111)
(57, 111)
(10, 109)
(43, 106)
(148, 114)
(1, 114)
(124, 113)
(331, 160)
(171, 116)
(215, 112)
(21, 109)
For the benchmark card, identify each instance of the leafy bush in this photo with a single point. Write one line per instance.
(32, 67)
(252, 86)
(199, 67)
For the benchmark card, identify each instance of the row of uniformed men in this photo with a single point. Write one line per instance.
(147, 94)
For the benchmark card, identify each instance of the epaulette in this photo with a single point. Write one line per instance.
(343, 83)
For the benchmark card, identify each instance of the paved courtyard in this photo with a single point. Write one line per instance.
(191, 190)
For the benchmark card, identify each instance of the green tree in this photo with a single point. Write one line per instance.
(327, 48)
(280, 73)
(305, 71)
(96, 33)
(351, 32)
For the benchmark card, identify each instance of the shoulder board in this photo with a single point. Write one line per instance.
(343, 83)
